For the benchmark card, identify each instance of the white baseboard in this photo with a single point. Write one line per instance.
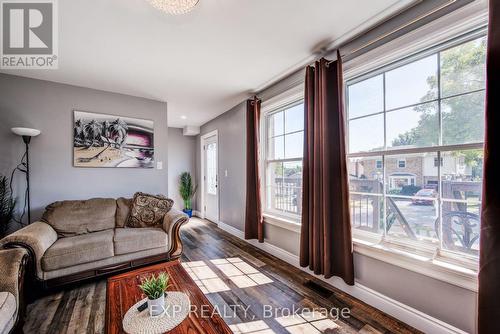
(197, 213)
(400, 311)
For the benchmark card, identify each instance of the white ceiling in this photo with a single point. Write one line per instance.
(201, 63)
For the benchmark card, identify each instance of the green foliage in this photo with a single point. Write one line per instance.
(473, 159)
(462, 70)
(286, 170)
(7, 205)
(155, 286)
(186, 189)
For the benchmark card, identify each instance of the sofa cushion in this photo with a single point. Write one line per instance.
(148, 210)
(67, 252)
(130, 240)
(123, 206)
(70, 218)
(8, 311)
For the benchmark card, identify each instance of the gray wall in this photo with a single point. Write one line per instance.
(49, 106)
(232, 131)
(181, 158)
(446, 302)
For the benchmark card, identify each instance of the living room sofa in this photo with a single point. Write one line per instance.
(12, 306)
(77, 240)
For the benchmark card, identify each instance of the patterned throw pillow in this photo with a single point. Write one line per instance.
(148, 210)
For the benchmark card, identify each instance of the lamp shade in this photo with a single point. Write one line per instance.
(26, 132)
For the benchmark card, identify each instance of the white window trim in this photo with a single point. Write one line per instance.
(430, 263)
(459, 22)
(457, 269)
(434, 266)
(291, 224)
(281, 219)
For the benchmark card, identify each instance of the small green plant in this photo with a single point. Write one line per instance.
(7, 205)
(187, 189)
(155, 286)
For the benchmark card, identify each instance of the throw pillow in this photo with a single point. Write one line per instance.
(148, 210)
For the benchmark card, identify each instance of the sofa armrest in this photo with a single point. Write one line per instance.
(36, 238)
(172, 223)
(12, 266)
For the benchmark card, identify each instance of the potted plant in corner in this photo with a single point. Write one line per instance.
(154, 288)
(187, 191)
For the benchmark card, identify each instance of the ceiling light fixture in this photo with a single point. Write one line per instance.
(183, 117)
(174, 7)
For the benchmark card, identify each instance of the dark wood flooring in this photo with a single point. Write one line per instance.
(253, 291)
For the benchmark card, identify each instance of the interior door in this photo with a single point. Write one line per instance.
(211, 187)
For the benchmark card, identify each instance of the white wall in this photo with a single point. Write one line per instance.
(181, 158)
(232, 159)
(49, 106)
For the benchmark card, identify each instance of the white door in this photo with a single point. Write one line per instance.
(211, 187)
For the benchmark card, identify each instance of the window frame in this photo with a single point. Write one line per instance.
(413, 247)
(280, 103)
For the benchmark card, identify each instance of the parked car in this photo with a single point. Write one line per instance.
(431, 193)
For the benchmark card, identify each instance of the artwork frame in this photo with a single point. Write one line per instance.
(102, 140)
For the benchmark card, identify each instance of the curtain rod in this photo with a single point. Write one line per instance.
(272, 84)
(380, 38)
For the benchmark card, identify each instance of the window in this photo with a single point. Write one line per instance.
(211, 168)
(284, 129)
(436, 162)
(415, 135)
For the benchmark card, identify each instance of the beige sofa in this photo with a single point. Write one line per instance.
(12, 267)
(77, 240)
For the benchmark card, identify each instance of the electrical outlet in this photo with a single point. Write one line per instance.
(225, 173)
(159, 165)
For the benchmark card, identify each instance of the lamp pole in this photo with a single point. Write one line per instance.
(26, 140)
(26, 134)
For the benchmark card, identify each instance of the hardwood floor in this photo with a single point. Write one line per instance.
(253, 291)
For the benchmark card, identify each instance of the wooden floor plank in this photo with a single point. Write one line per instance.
(81, 310)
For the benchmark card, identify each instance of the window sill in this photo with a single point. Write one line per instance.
(283, 222)
(431, 266)
(435, 267)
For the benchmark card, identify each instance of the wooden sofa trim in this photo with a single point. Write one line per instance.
(21, 308)
(174, 252)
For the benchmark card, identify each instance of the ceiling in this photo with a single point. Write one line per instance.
(202, 63)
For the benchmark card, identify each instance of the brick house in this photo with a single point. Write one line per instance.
(419, 169)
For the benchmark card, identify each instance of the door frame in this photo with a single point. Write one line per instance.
(203, 139)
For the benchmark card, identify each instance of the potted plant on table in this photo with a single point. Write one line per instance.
(154, 288)
(187, 191)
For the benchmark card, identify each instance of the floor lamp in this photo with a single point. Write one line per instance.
(26, 134)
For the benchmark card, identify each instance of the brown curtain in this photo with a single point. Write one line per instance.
(489, 258)
(253, 213)
(325, 243)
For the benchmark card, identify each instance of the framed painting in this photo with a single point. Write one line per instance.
(102, 140)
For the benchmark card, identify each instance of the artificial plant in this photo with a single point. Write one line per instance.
(187, 189)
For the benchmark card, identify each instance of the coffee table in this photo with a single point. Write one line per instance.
(122, 293)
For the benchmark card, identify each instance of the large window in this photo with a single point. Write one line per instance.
(284, 131)
(415, 137)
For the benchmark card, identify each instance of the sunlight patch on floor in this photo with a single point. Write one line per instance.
(206, 279)
(241, 273)
(254, 327)
(310, 323)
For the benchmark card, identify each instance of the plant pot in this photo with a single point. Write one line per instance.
(156, 306)
(189, 212)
